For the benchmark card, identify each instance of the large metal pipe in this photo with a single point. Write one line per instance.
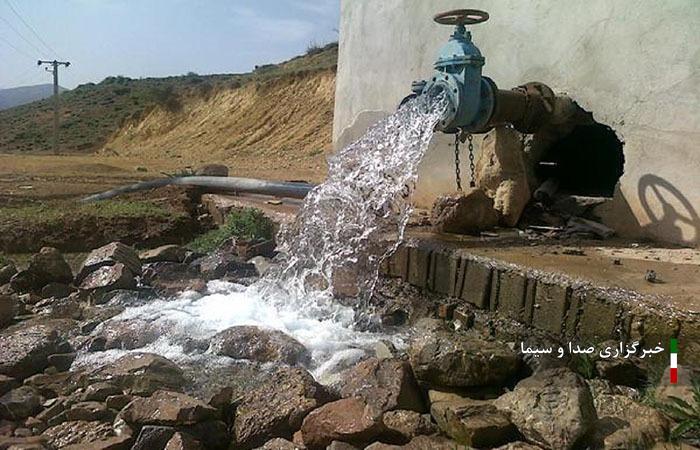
(229, 184)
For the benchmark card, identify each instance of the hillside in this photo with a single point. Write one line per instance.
(187, 116)
(21, 95)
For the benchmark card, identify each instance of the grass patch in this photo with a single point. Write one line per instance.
(686, 415)
(245, 223)
(60, 211)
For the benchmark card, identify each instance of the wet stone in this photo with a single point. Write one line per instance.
(258, 344)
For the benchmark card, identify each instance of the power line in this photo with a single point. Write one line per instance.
(31, 28)
(22, 52)
(41, 52)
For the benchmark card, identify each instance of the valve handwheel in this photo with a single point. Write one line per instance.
(461, 17)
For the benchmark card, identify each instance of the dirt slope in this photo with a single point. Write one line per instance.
(279, 127)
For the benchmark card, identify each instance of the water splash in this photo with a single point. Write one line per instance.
(338, 240)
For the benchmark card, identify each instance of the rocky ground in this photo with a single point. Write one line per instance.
(460, 382)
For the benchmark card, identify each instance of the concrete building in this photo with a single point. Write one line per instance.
(634, 66)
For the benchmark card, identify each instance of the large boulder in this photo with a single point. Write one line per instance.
(109, 278)
(25, 281)
(169, 409)
(109, 255)
(384, 384)
(142, 374)
(164, 253)
(80, 432)
(441, 357)
(258, 344)
(20, 403)
(25, 348)
(183, 441)
(433, 442)
(49, 266)
(348, 420)
(402, 425)
(465, 212)
(553, 408)
(224, 265)
(7, 270)
(125, 334)
(277, 406)
(502, 172)
(9, 307)
(624, 423)
(471, 422)
(170, 278)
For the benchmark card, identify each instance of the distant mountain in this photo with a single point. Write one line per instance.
(25, 94)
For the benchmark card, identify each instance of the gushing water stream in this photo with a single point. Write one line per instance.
(336, 240)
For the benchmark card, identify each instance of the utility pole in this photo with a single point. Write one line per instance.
(55, 65)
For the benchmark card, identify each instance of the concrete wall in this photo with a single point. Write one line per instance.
(635, 65)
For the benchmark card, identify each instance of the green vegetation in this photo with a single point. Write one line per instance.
(687, 416)
(245, 223)
(92, 112)
(57, 212)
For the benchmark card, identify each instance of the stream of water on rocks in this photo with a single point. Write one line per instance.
(336, 239)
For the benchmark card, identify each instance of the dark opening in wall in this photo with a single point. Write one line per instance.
(588, 161)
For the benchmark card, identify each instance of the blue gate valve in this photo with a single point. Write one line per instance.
(474, 102)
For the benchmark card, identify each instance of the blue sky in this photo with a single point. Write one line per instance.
(142, 38)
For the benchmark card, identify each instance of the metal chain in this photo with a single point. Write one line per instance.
(472, 182)
(458, 175)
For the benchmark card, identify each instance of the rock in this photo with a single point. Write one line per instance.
(89, 411)
(125, 334)
(49, 266)
(470, 211)
(20, 403)
(22, 443)
(624, 423)
(258, 344)
(223, 265)
(443, 358)
(349, 420)
(167, 408)
(385, 385)
(683, 389)
(142, 374)
(279, 444)
(109, 255)
(502, 171)
(212, 170)
(121, 442)
(24, 349)
(56, 290)
(402, 425)
(165, 253)
(421, 443)
(54, 384)
(77, 432)
(7, 384)
(153, 437)
(277, 406)
(170, 278)
(9, 307)
(250, 249)
(118, 402)
(24, 281)
(182, 441)
(109, 278)
(553, 408)
(62, 308)
(337, 445)
(6, 273)
(62, 361)
(471, 422)
(99, 392)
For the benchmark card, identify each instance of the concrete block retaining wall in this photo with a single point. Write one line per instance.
(567, 308)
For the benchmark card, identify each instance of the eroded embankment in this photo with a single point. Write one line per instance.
(277, 124)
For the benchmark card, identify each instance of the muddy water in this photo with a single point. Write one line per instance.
(335, 240)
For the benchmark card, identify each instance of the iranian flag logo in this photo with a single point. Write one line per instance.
(674, 361)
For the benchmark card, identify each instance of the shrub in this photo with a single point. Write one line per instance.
(165, 97)
(686, 416)
(244, 223)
